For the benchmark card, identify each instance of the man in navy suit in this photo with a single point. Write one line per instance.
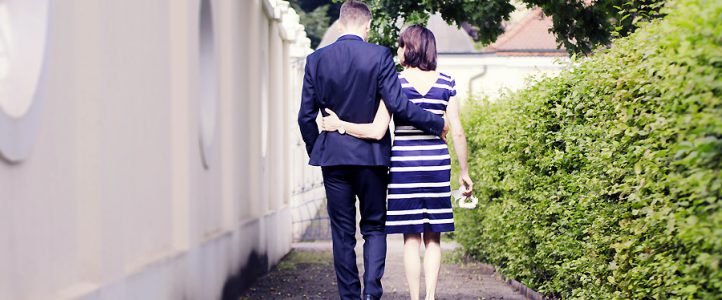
(350, 77)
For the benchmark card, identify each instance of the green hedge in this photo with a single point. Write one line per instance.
(605, 182)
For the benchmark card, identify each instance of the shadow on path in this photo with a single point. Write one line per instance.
(307, 273)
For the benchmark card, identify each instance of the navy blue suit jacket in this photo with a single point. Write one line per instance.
(350, 77)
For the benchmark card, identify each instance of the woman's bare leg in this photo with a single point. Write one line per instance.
(432, 262)
(412, 262)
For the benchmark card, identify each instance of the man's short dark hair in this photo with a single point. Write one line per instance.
(354, 13)
(419, 48)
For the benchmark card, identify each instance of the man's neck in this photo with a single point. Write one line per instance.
(354, 33)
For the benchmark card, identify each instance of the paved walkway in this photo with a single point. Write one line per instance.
(307, 273)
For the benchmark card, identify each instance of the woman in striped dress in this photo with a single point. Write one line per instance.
(419, 203)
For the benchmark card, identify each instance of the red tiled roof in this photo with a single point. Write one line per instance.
(530, 35)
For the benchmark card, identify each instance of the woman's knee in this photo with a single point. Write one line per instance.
(412, 238)
(432, 237)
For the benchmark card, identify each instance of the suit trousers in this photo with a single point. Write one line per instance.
(343, 184)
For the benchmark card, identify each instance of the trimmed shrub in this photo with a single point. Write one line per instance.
(605, 181)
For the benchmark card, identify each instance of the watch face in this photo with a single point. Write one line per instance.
(342, 130)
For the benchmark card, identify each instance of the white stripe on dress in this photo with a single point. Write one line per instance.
(429, 101)
(419, 195)
(416, 137)
(422, 221)
(414, 148)
(443, 86)
(419, 211)
(427, 157)
(417, 169)
(436, 111)
(408, 131)
(418, 185)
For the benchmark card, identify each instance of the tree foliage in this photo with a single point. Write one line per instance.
(316, 22)
(605, 182)
(316, 16)
(579, 25)
(486, 16)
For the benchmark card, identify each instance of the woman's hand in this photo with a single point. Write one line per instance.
(330, 122)
(466, 183)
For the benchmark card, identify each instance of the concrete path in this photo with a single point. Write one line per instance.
(307, 273)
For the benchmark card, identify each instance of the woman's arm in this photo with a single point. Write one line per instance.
(374, 131)
(457, 133)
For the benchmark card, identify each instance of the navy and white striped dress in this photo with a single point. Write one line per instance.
(419, 195)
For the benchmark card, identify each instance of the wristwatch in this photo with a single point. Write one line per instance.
(341, 130)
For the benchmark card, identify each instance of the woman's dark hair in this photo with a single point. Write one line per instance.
(419, 48)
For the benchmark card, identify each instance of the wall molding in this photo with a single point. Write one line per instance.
(209, 89)
(19, 123)
(270, 7)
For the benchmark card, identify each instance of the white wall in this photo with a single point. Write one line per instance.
(113, 200)
(482, 74)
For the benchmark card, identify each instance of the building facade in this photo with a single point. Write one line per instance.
(144, 146)
(526, 50)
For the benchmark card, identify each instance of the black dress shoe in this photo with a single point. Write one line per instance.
(369, 297)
